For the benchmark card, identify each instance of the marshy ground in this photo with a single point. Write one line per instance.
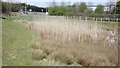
(61, 41)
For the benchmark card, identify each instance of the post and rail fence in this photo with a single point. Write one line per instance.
(34, 14)
(93, 18)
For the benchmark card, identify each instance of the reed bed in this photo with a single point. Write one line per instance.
(70, 41)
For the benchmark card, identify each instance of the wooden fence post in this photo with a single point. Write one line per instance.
(108, 19)
(101, 19)
(86, 18)
(96, 19)
(93, 19)
(117, 19)
(80, 18)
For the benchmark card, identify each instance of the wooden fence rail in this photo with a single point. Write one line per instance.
(93, 18)
(38, 14)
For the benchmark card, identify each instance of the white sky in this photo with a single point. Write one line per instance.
(44, 3)
(23, 1)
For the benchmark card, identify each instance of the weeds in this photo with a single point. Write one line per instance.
(85, 61)
(72, 41)
(63, 57)
(38, 54)
(35, 45)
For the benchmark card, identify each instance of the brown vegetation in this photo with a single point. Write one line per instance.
(70, 41)
(38, 54)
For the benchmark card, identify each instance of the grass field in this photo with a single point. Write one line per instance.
(0, 42)
(56, 41)
(16, 42)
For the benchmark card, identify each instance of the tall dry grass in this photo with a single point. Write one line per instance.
(69, 40)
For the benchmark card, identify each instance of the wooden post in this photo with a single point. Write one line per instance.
(101, 19)
(93, 19)
(86, 18)
(108, 19)
(117, 19)
(80, 18)
(96, 19)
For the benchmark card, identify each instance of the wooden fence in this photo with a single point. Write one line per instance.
(93, 18)
(38, 14)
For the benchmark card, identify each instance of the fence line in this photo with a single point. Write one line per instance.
(38, 14)
(93, 18)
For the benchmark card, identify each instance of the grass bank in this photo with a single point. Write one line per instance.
(50, 48)
(0, 42)
(110, 24)
(16, 42)
(17, 50)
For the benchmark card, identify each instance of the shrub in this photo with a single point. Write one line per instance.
(113, 59)
(95, 15)
(82, 7)
(41, 34)
(71, 14)
(35, 45)
(64, 57)
(38, 54)
(57, 10)
(99, 9)
(47, 49)
(118, 16)
(6, 7)
(85, 61)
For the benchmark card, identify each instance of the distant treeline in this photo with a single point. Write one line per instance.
(82, 10)
(15, 7)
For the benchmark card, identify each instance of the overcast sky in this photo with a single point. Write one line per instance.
(59, 0)
(45, 3)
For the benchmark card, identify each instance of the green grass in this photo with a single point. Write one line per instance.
(111, 24)
(19, 18)
(105, 23)
(0, 42)
(14, 13)
(16, 43)
(17, 40)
